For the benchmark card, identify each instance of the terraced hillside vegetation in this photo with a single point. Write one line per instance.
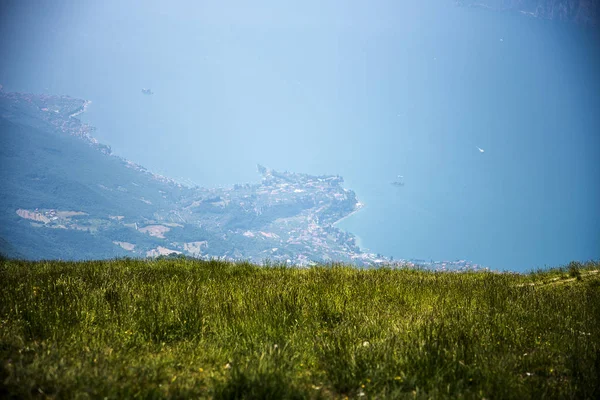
(181, 328)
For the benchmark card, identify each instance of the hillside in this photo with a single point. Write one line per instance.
(64, 195)
(194, 329)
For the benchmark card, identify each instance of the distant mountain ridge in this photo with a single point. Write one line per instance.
(582, 12)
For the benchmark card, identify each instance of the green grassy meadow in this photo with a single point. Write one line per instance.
(180, 328)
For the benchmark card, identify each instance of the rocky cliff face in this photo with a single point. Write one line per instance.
(583, 12)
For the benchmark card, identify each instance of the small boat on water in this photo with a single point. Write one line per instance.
(399, 181)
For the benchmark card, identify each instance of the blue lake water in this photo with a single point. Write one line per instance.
(366, 92)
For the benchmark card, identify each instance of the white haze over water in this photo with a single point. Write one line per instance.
(366, 90)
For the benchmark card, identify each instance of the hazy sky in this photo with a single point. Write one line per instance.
(255, 76)
(367, 90)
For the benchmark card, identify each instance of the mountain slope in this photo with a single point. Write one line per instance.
(63, 195)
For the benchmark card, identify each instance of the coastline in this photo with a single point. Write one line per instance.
(82, 109)
(359, 206)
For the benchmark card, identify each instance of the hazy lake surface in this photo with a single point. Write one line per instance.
(366, 91)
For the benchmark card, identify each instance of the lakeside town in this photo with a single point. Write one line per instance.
(288, 218)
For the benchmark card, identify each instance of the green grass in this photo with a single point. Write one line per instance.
(191, 329)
